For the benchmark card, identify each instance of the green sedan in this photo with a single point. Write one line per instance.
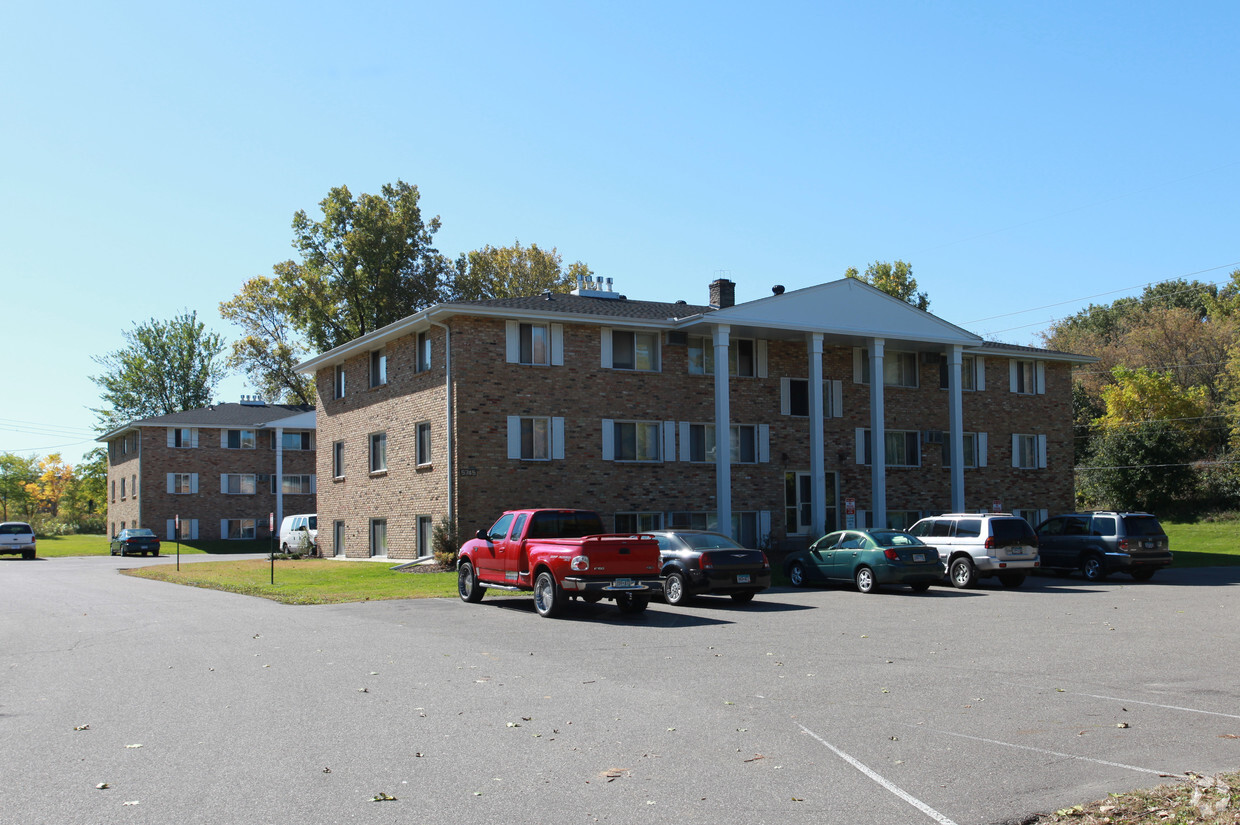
(868, 558)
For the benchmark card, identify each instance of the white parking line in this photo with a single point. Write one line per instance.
(916, 803)
(1156, 705)
(1044, 751)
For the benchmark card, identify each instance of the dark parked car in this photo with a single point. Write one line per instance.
(868, 558)
(1102, 542)
(134, 540)
(697, 561)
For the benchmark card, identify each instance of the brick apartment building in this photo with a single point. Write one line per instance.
(223, 469)
(838, 403)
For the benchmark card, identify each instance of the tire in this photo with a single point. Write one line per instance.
(865, 580)
(676, 589)
(122, 551)
(920, 587)
(548, 597)
(1094, 568)
(1012, 579)
(1143, 574)
(743, 598)
(962, 573)
(632, 603)
(467, 586)
(796, 574)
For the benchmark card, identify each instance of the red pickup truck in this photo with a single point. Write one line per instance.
(559, 555)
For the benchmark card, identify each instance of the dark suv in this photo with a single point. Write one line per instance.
(1102, 542)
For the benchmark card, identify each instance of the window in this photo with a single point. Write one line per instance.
(424, 443)
(902, 448)
(426, 533)
(294, 440)
(182, 483)
(378, 537)
(899, 368)
(122, 489)
(743, 357)
(974, 450)
(534, 343)
(338, 538)
(422, 358)
(636, 441)
(535, 438)
(693, 521)
(634, 350)
(970, 369)
(338, 381)
(745, 529)
(378, 367)
(702, 442)
(1029, 451)
(239, 439)
(338, 459)
(133, 486)
(1027, 377)
(902, 519)
(743, 443)
(238, 484)
(378, 452)
(638, 522)
(182, 437)
(239, 528)
(114, 489)
(294, 485)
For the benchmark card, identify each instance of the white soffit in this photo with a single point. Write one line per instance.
(845, 307)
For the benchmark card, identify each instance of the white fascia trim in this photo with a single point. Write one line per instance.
(1032, 355)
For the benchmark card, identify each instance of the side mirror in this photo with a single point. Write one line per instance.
(482, 534)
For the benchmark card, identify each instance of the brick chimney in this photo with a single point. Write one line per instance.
(722, 293)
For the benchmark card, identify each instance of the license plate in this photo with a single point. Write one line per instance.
(1016, 551)
(919, 557)
(742, 578)
(623, 583)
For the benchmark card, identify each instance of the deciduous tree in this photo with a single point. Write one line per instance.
(896, 279)
(513, 271)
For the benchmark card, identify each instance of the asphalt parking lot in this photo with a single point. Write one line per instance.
(814, 706)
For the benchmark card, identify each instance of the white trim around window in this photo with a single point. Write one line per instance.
(238, 484)
(794, 401)
(1028, 451)
(535, 438)
(534, 344)
(189, 529)
(907, 442)
(1026, 376)
(638, 441)
(182, 483)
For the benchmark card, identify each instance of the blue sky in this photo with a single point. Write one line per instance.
(1024, 158)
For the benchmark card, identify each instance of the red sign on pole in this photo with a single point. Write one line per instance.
(997, 505)
(271, 522)
(850, 506)
(177, 521)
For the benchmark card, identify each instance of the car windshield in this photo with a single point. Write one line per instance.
(14, 529)
(895, 538)
(1143, 526)
(141, 533)
(1011, 528)
(708, 541)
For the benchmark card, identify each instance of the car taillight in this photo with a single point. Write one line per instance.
(990, 543)
(580, 563)
(891, 554)
(1123, 544)
(706, 562)
(766, 563)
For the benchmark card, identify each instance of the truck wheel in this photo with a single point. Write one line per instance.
(962, 573)
(1094, 568)
(1011, 579)
(632, 602)
(548, 597)
(674, 589)
(467, 584)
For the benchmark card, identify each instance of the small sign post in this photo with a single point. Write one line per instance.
(997, 506)
(176, 528)
(850, 513)
(271, 528)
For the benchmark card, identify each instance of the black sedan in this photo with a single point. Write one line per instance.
(697, 561)
(134, 540)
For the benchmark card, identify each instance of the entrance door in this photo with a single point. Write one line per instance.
(799, 503)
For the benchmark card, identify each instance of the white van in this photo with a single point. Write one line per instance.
(300, 533)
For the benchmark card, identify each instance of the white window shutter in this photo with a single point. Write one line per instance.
(557, 437)
(981, 449)
(512, 341)
(609, 433)
(669, 441)
(764, 526)
(979, 380)
(557, 345)
(858, 367)
(223, 438)
(172, 529)
(1040, 366)
(514, 436)
(1015, 450)
(860, 436)
(760, 355)
(171, 482)
(172, 439)
(1041, 452)
(764, 443)
(223, 528)
(785, 404)
(837, 398)
(1043, 515)
(193, 529)
(605, 349)
(314, 485)
(684, 440)
(193, 482)
(223, 482)
(1012, 368)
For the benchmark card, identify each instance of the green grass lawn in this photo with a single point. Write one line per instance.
(306, 581)
(82, 545)
(91, 545)
(1204, 543)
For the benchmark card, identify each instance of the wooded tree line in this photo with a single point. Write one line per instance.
(54, 496)
(1156, 417)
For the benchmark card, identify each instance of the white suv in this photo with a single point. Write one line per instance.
(979, 545)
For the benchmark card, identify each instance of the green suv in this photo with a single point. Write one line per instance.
(1102, 542)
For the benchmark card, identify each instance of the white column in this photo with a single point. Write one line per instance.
(878, 437)
(723, 441)
(817, 457)
(955, 422)
(279, 477)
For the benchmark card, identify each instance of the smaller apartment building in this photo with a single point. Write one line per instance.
(224, 470)
(839, 405)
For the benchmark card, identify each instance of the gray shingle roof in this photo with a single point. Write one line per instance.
(603, 307)
(226, 415)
